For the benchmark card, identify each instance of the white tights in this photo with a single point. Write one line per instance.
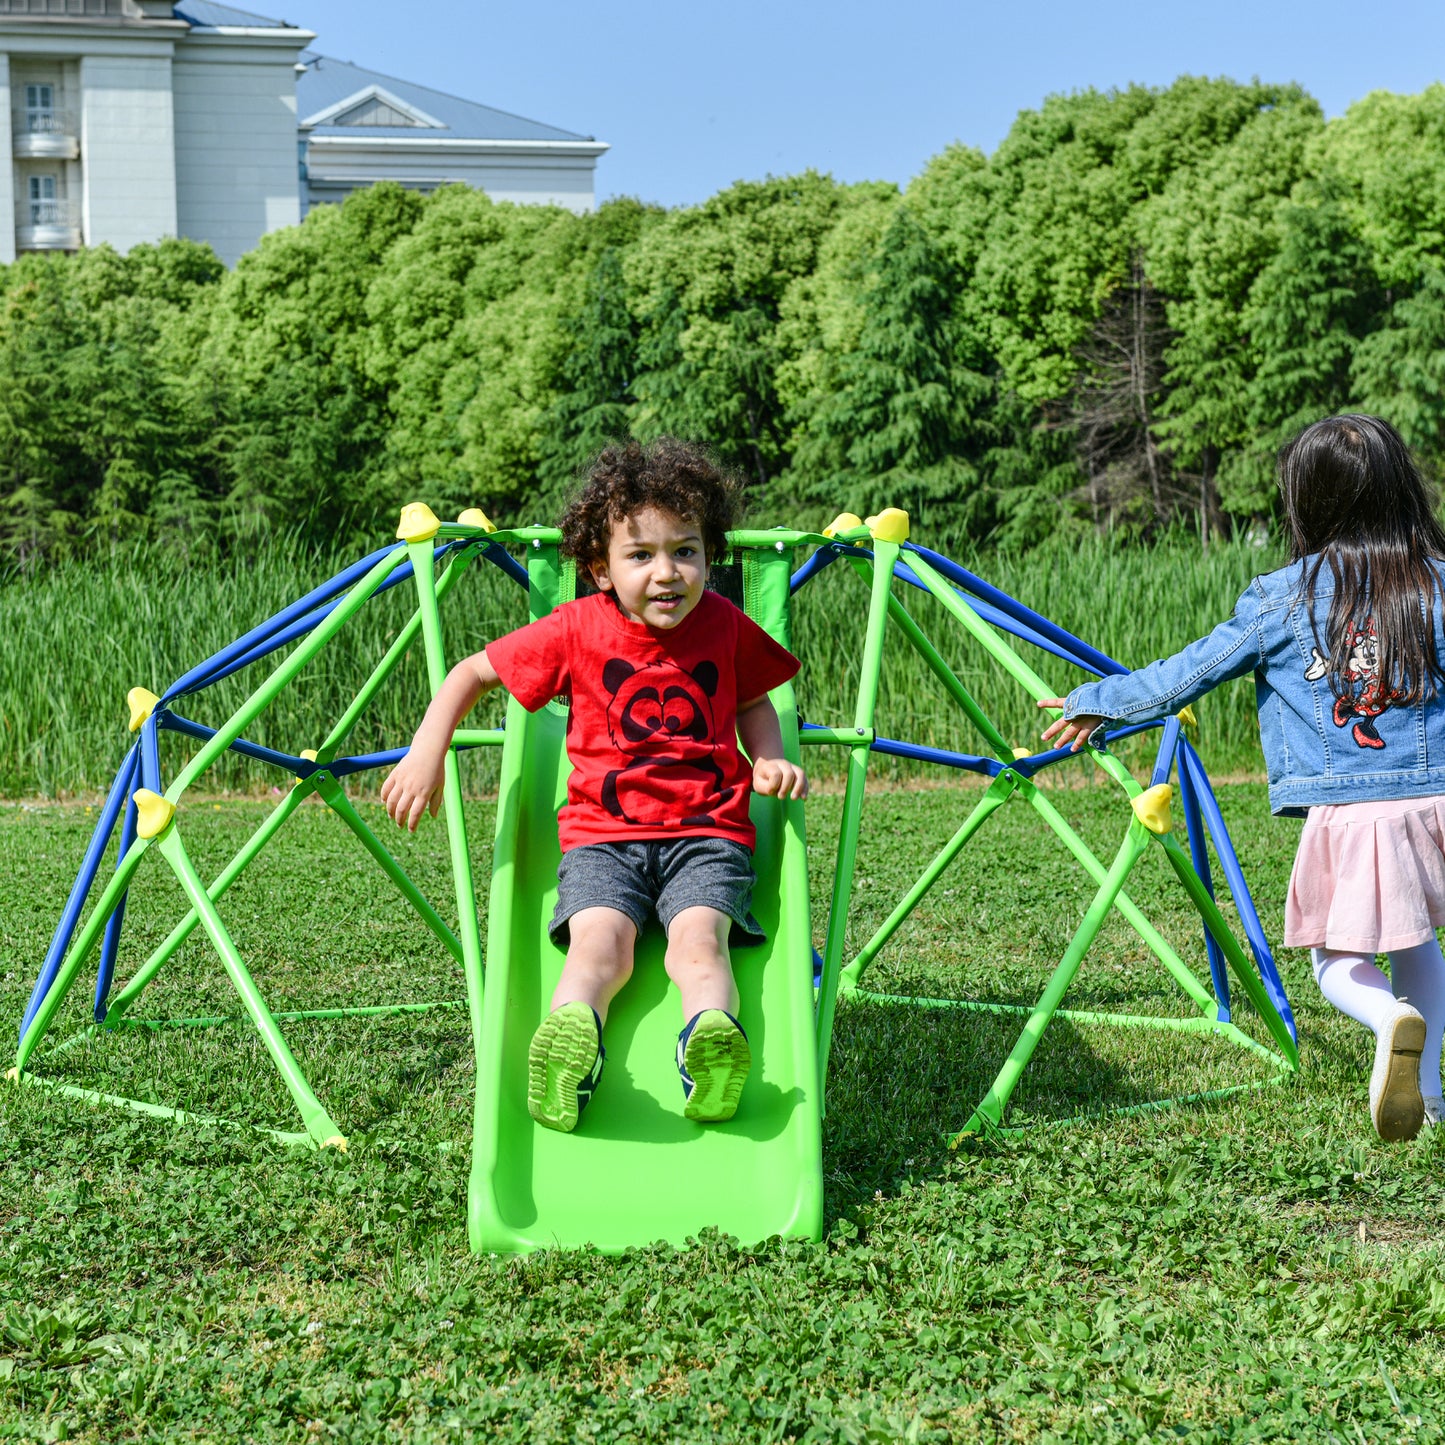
(1356, 987)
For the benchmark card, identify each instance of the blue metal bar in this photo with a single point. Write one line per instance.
(110, 944)
(823, 557)
(363, 762)
(298, 767)
(498, 556)
(200, 675)
(150, 755)
(1034, 764)
(1164, 759)
(1099, 662)
(1199, 853)
(1234, 876)
(116, 799)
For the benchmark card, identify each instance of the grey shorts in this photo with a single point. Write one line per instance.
(662, 877)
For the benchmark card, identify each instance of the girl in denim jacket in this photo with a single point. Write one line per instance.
(1346, 645)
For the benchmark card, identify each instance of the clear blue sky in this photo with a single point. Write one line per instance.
(694, 95)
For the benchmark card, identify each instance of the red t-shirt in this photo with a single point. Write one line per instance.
(652, 728)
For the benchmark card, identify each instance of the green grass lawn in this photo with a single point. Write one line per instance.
(1261, 1267)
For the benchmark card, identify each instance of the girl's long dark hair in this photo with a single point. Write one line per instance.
(1354, 498)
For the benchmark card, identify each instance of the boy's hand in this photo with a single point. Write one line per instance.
(1071, 733)
(779, 778)
(413, 787)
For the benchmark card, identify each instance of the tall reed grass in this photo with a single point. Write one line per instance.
(75, 638)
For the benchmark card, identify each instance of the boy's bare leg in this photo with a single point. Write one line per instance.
(599, 958)
(698, 962)
(713, 1057)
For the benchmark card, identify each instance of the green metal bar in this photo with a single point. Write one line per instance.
(997, 794)
(1219, 929)
(479, 737)
(209, 1021)
(467, 924)
(285, 671)
(1156, 942)
(849, 737)
(121, 1003)
(1165, 1022)
(319, 1124)
(946, 675)
(80, 950)
(885, 554)
(1009, 660)
(336, 738)
(154, 1111)
(334, 796)
(989, 1113)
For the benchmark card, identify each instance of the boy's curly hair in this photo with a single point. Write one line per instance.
(627, 477)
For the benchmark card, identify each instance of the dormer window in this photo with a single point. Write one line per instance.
(374, 108)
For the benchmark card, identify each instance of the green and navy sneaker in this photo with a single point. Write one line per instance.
(713, 1058)
(564, 1064)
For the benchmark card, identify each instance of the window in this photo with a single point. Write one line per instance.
(44, 206)
(40, 113)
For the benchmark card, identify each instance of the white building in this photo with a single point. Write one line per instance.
(130, 120)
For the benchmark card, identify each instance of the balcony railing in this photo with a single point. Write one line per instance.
(46, 132)
(48, 225)
(74, 9)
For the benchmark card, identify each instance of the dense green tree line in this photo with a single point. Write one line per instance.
(1111, 322)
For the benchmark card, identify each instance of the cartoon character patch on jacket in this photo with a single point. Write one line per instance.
(660, 719)
(1362, 671)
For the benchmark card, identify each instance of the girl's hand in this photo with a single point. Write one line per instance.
(1072, 732)
(414, 786)
(779, 778)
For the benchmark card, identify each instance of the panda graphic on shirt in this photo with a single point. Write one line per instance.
(660, 720)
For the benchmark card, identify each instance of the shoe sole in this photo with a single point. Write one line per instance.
(1395, 1103)
(561, 1055)
(718, 1058)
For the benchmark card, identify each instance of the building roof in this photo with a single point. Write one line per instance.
(331, 91)
(208, 13)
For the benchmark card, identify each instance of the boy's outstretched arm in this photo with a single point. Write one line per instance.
(414, 785)
(774, 776)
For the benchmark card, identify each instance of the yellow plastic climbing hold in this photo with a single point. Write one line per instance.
(1186, 716)
(475, 517)
(418, 523)
(334, 1142)
(1151, 807)
(890, 525)
(1022, 753)
(309, 754)
(843, 522)
(153, 813)
(142, 703)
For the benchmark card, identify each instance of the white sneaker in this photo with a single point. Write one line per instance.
(1434, 1109)
(1395, 1103)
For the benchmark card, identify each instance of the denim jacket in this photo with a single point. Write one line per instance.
(1318, 749)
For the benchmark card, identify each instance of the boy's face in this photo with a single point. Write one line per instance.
(655, 567)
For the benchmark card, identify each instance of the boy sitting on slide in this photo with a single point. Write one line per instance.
(663, 679)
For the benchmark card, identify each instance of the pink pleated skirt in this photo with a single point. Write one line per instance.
(1368, 877)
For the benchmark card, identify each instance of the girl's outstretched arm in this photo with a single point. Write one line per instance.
(414, 785)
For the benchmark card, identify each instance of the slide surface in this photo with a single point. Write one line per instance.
(636, 1171)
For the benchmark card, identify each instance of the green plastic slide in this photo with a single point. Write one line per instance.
(636, 1170)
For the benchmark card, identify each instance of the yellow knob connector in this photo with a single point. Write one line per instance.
(475, 517)
(418, 523)
(308, 753)
(334, 1142)
(13, 1075)
(1151, 807)
(890, 525)
(843, 522)
(142, 702)
(1186, 716)
(1022, 753)
(153, 813)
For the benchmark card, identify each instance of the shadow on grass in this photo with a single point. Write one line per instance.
(904, 1080)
